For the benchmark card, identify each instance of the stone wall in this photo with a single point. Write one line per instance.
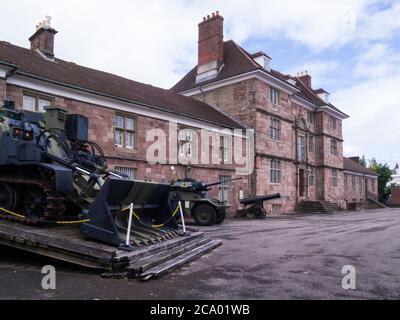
(2, 90)
(249, 102)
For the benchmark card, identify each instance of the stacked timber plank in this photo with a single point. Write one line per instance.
(66, 243)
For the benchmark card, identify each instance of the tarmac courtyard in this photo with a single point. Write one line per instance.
(288, 257)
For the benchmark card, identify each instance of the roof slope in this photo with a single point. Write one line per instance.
(350, 165)
(238, 61)
(70, 74)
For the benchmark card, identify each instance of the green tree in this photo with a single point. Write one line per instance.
(385, 176)
(363, 162)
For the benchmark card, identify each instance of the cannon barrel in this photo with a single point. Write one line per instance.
(260, 199)
(220, 182)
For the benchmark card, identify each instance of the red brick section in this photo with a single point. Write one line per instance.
(306, 80)
(211, 44)
(394, 199)
(43, 40)
(2, 90)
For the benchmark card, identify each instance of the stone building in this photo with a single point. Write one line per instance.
(394, 198)
(298, 132)
(121, 112)
(360, 185)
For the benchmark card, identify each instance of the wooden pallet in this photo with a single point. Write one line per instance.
(66, 243)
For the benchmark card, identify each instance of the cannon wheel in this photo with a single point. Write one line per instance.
(205, 215)
(220, 217)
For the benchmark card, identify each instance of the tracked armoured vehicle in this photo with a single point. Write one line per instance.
(51, 173)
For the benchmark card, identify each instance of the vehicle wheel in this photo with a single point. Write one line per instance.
(8, 197)
(205, 215)
(220, 217)
(34, 203)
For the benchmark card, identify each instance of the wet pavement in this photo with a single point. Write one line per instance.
(296, 257)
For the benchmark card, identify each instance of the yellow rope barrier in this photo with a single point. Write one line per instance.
(154, 226)
(56, 222)
(88, 220)
(13, 213)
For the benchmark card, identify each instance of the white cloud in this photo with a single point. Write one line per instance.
(374, 109)
(376, 61)
(155, 41)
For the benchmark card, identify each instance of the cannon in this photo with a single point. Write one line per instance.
(192, 193)
(253, 207)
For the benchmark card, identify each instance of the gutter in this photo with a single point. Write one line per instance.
(8, 74)
(7, 64)
(28, 75)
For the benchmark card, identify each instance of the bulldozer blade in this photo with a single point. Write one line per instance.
(108, 221)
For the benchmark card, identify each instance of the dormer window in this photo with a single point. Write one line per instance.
(323, 95)
(263, 60)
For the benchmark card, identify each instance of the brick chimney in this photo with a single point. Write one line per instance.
(305, 79)
(43, 39)
(355, 159)
(211, 47)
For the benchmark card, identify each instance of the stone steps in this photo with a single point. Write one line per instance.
(155, 261)
(318, 207)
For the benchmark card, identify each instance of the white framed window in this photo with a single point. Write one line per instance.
(275, 129)
(276, 176)
(332, 122)
(35, 102)
(224, 188)
(353, 183)
(223, 155)
(274, 96)
(311, 144)
(185, 142)
(127, 171)
(334, 147)
(311, 177)
(125, 131)
(311, 117)
(301, 150)
(334, 181)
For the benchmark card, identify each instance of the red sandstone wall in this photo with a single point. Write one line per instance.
(2, 90)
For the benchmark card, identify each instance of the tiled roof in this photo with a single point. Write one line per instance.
(259, 54)
(235, 63)
(70, 74)
(350, 165)
(238, 61)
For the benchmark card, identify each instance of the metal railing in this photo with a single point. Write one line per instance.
(336, 201)
(372, 196)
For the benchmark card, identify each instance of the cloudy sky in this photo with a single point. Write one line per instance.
(350, 47)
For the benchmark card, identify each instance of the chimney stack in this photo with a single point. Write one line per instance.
(355, 159)
(211, 47)
(305, 79)
(43, 39)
